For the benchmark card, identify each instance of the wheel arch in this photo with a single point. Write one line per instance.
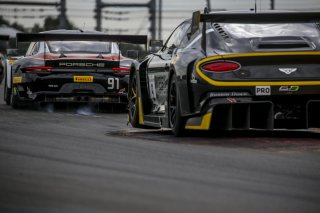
(182, 89)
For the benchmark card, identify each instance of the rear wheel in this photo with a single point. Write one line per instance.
(177, 123)
(133, 102)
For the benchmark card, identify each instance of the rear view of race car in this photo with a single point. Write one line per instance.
(232, 71)
(72, 66)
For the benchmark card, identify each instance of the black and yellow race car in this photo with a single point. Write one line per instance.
(71, 66)
(230, 71)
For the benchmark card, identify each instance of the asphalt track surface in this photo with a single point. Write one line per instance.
(77, 160)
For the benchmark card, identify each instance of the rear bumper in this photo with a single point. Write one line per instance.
(49, 89)
(70, 94)
(248, 115)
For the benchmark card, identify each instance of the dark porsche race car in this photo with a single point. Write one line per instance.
(71, 66)
(230, 71)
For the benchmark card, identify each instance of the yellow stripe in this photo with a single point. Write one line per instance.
(205, 123)
(141, 120)
(255, 83)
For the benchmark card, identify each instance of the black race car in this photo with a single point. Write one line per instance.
(229, 71)
(71, 66)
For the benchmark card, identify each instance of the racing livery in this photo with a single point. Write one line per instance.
(71, 66)
(230, 71)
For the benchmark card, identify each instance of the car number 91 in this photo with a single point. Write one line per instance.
(113, 83)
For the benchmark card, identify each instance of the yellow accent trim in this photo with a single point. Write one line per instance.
(254, 83)
(141, 120)
(134, 95)
(11, 61)
(83, 79)
(17, 80)
(205, 123)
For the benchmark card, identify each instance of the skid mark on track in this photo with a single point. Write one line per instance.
(274, 141)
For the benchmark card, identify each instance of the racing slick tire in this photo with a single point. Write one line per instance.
(176, 121)
(133, 103)
(7, 93)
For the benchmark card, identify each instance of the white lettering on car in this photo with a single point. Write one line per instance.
(263, 90)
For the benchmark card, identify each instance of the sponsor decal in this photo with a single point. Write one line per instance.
(82, 78)
(53, 86)
(228, 94)
(289, 88)
(232, 100)
(288, 71)
(80, 64)
(263, 90)
(11, 62)
(17, 80)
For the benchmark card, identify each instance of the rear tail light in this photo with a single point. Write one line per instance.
(121, 70)
(221, 66)
(38, 69)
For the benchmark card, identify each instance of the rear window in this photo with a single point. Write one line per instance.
(79, 47)
(271, 30)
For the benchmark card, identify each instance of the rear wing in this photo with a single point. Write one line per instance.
(250, 18)
(34, 37)
(4, 37)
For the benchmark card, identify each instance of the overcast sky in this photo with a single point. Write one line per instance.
(81, 12)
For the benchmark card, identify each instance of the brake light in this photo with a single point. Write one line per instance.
(38, 69)
(225, 66)
(121, 70)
